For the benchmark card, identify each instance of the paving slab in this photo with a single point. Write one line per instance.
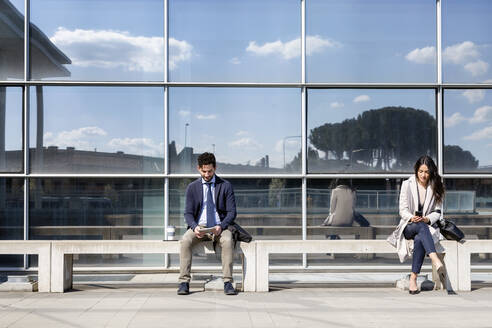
(105, 306)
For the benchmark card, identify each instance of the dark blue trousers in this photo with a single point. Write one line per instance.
(422, 243)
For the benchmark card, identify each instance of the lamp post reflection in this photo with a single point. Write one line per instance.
(186, 133)
(352, 154)
(283, 144)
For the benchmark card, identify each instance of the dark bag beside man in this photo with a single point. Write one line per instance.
(238, 233)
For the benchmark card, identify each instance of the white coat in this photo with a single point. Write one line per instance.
(408, 205)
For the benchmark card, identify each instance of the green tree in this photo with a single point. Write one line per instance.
(457, 159)
(384, 138)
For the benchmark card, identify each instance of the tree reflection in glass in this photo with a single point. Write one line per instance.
(369, 130)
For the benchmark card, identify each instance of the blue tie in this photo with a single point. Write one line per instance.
(210, 207)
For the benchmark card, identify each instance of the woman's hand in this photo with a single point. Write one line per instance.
(419, 219)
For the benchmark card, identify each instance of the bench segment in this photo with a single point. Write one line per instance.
(266, 247)
(62, 256)
(465, 249)
(41, 248)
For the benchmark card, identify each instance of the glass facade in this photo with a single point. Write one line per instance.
(97, 130)
(106, 105)
(361, 130)
(466, 52)
(371, 41)
(262, 133)
(468, 131)
(247, 41)
(11, 217)
(97, 40)
(107, 209)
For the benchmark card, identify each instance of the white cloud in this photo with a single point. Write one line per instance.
(179, 51)
(81, 138)
(248, 143)
(242, 133)
(291, 49)
(453, 120)
(137, 146)
(288, 50)
(467, 54)
(478, 67)
(315, 43)
(336, 104)
(184, 113)
(206, 117)
(461, 53)
(235, 61)
(474, 95)
(426, 55)
(482, 114)
(361, 98)
(119, 49)
(485, 133)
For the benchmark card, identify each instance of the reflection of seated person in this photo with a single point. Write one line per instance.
(342, 208)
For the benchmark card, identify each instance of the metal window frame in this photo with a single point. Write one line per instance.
(439, 86)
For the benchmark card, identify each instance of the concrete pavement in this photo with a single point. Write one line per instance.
(107, 306)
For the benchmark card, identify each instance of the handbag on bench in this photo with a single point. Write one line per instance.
(449, 230)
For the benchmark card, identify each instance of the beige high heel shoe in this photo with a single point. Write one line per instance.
(441, 272)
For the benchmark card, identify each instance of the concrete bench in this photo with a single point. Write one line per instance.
(62, 256)
(40, 248)
(266, 247)
(465, 249)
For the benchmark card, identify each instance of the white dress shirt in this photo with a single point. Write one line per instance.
(203, 215)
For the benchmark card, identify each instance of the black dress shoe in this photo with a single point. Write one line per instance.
(184, 288)
(413, 292)
(229, 289)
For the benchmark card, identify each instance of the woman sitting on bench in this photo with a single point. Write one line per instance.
(421, 198)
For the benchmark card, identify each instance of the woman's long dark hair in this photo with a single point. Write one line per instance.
(434, 177)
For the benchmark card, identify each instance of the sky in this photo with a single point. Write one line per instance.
(110, 119)
(246, 41)
(468, 122)
(244, 124)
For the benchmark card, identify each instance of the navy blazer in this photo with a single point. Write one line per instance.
(225, 202)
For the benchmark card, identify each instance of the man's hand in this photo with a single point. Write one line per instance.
(218, 230)
(197, 232)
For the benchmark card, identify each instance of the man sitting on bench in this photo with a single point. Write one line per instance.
(210, 208)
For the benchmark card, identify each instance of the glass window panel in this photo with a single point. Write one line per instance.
(116, 209)
(372, 214)
(468, 203)
(221, 40)
(97, 129)
(250, 130)
(368, 131)
(266, 208)
(11, 217)
(371, 41)
(466, 39)
(97, 40)
(11, 154)
(12, 40)
(468, 131)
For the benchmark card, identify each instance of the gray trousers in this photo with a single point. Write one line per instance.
(189, 240)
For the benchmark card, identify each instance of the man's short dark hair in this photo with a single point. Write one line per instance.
(206, 159)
